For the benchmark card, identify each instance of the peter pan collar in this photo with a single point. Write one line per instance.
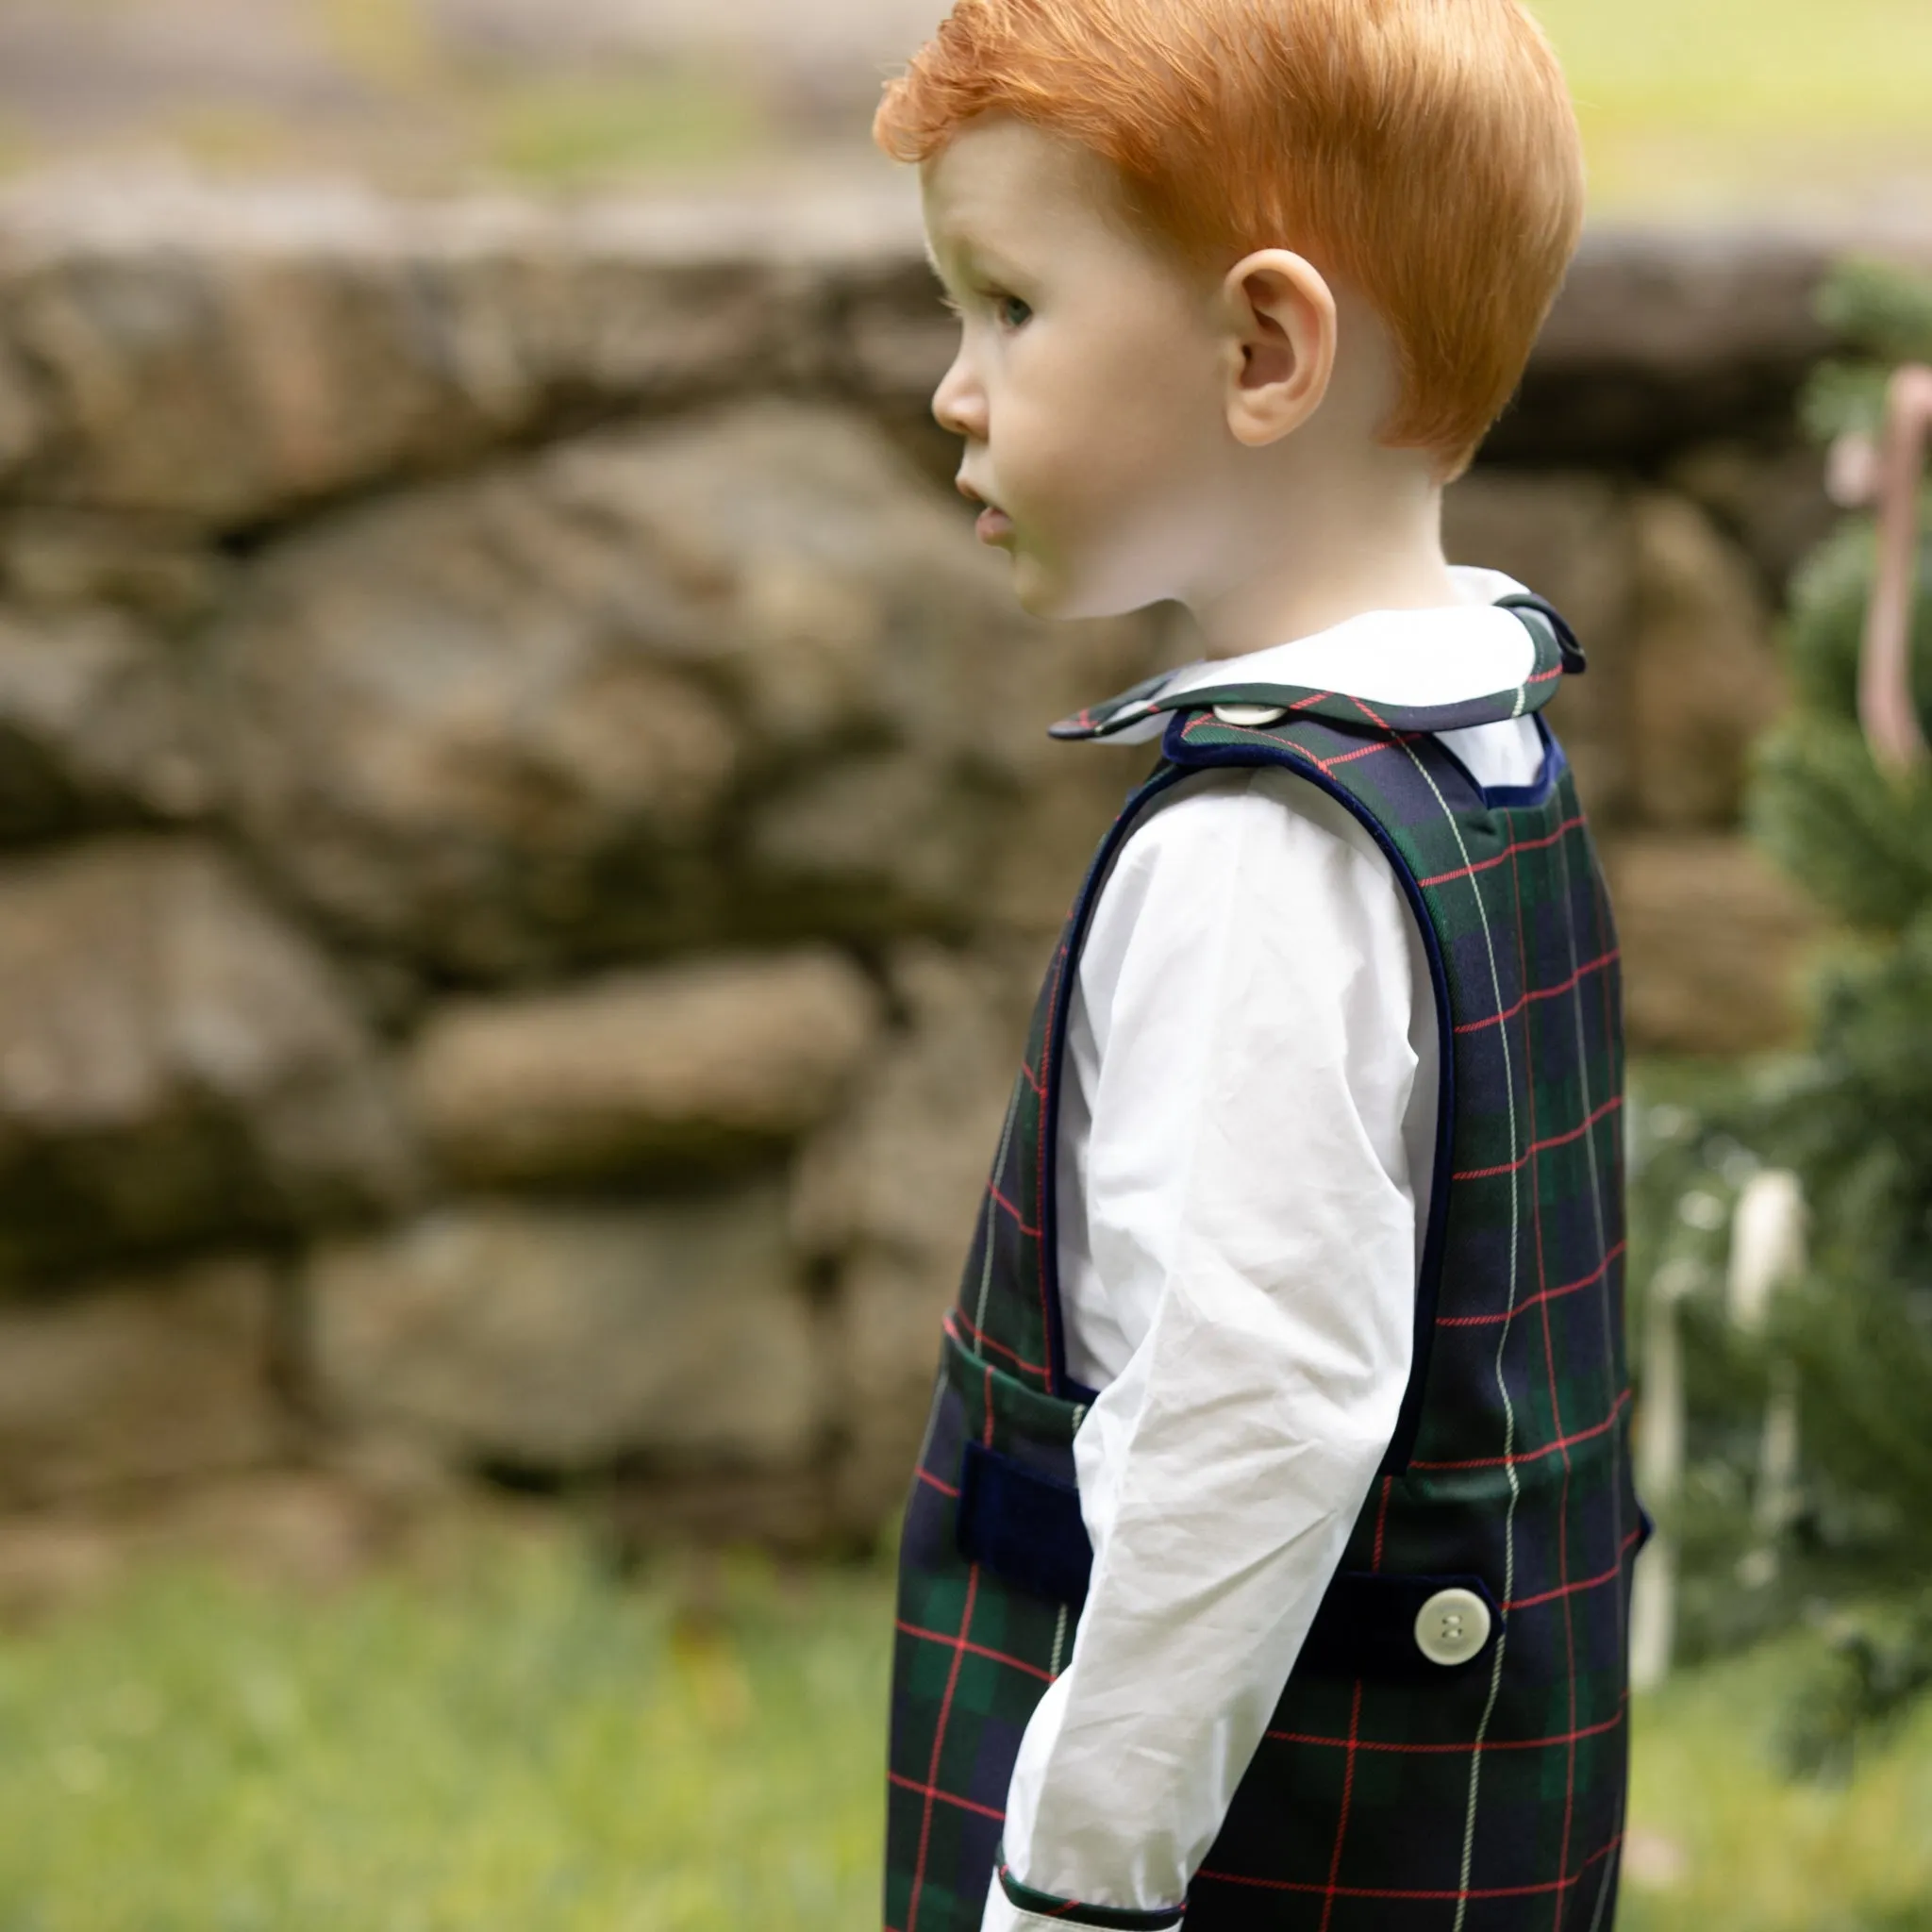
(1417, 661)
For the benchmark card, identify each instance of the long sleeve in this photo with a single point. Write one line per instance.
(1247, 1111)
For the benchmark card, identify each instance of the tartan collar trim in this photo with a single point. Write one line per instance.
(1139, 714)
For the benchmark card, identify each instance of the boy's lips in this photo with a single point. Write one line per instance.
(992, 522)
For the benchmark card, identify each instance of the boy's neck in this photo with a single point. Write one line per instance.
(1328, 543)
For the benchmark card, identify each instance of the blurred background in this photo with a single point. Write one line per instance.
(1714, 106)
(527, 847)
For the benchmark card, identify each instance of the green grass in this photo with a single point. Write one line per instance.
(1723, 1841)
(519, 1745)
(1695, 102)
(1690, 105)
(575, 130)
(1747, 63)
(514, 1742)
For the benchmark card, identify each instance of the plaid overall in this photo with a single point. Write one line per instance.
(1390, 1792)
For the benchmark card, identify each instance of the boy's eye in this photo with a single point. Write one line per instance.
(1009, 311)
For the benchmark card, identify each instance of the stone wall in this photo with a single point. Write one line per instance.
(528, 838)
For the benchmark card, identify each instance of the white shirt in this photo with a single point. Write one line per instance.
(1246, 1139)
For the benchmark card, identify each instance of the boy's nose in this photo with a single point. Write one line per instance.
(959, 404)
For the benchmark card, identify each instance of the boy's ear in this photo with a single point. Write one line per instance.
(1280, 315)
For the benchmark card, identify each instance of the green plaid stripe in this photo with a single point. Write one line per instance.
(1493, 1798)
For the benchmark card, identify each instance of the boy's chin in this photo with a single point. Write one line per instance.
(1038, 592)
(1042, 591)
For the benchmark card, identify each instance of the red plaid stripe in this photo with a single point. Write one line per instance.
(1520, 1456)
(1459, 1748)
(1427, 1892)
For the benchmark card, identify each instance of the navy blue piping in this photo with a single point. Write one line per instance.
(1429, 1277)
(1519, 797)
(1570, 651)
(1044, 1905)
(1062, 1384)
(1536, 793)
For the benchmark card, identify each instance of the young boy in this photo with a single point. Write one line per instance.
(1268, 1560)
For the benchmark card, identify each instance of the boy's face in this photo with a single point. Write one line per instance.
(1089, 383)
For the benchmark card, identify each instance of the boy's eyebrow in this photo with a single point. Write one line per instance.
(974, 262)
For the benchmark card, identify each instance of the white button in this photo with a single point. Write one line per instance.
(1452, 1627)
(1249, 715)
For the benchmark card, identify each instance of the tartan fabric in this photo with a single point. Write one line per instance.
(1489, 1797)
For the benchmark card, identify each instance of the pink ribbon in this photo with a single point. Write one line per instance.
(1888, 475)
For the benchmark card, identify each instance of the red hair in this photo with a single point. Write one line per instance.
(1422, 151)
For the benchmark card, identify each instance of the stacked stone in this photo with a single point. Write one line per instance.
(527, 836)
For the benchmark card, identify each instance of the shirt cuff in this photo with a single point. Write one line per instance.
(1011, 1906)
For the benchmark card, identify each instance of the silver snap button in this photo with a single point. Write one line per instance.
(1250, 716)
(1452, 1627)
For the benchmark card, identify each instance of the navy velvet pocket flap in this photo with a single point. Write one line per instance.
(1366, 1628)
(1023, 1525)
